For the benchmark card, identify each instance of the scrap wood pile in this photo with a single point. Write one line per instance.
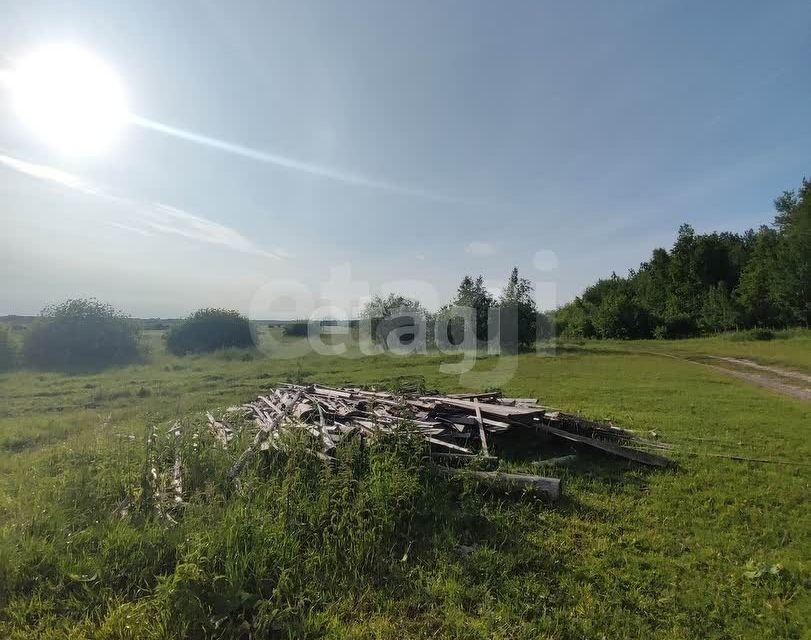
(458, 427)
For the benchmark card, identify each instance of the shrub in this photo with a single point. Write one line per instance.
(297, 329)
(753, 334)
(81, 335)
(619, 315)
(209, 330)
(8, 357)
(677, 326)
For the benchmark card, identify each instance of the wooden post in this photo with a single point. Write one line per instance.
(481, 427)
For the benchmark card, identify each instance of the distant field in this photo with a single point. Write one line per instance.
(715, 548)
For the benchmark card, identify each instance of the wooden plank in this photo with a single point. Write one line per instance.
(523, 401)
(497, 410)
(485, 395)
(332, 393)
(442, 443)
(615, 449)
(267, 401)
(260, 437)
(496, 426)
(482, 437)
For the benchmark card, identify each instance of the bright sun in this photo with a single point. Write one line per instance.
(69, 98)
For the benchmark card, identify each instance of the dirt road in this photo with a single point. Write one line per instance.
(771, 380)
(783, 381)
(785, 373)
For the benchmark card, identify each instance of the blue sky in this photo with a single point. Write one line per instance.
(412, 141)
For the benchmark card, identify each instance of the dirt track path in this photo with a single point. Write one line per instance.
(767, 381)
(786, 373)
(772, 378)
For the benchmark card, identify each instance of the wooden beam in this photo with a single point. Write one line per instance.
(442, 443)
(498, 410)
(481, 428)
(623, 452)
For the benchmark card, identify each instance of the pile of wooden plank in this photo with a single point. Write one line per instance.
(457, 427)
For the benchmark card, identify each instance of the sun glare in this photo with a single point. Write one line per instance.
(69, 98)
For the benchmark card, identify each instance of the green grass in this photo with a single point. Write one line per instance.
(790, 348)
(371, 550)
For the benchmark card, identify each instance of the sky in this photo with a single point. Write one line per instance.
(294, 158)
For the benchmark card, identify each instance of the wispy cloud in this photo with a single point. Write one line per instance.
(49, 174)
(130, 229)
(285, 162)
(481, 249)
(146, 219)
(171, 220)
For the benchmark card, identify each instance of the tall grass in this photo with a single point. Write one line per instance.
(381, 547)
(298, 537)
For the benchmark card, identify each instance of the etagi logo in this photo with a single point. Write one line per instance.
(459, 337)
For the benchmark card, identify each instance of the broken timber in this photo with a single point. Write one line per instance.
(457, 429)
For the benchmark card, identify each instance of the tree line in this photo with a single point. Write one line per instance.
(707, 283)
(514, 311)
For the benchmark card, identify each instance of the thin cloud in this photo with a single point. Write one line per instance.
(174, 221)
(127, 227)
(49, 174)
(321, 171)
(481, 249)
(147, 218)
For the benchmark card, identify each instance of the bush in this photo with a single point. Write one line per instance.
(209, 330)
(620, 316)
(81, 335)
(8, 357)
(753, 334)
(676, 327)
(298, 329)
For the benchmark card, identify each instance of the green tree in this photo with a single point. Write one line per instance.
(707, 282)
(81, 335)
(208, 330)
(719, 312)
(393, 315)
(379, 307)
(793, 220)
(652, 283)
(471, 294)
(618, 314)
(761, 290)
(685, 285)
(518, 313)
(574, 320)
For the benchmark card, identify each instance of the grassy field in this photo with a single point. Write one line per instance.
(715, 548)
(790, 348)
